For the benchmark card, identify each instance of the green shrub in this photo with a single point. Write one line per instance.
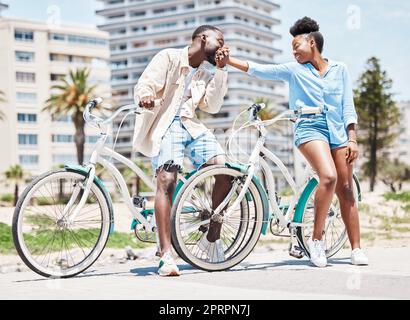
(7, 197)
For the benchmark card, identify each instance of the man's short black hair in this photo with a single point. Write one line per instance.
(202, 29)
(310, 27)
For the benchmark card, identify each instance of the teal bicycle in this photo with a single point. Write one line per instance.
(252, 207)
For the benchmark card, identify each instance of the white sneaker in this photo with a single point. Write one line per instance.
(214, 250)
(167, 266)
(358, 258)
(317, 253)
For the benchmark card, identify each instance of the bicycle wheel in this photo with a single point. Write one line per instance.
(240, 232)
(335, 233)
(43, 236)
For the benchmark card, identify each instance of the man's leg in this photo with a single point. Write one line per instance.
(166, 181)
(222, 187)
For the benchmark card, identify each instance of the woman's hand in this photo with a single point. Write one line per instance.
(222, 56)
(352, 151)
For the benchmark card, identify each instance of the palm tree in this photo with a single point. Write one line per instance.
(2, 99)
(16, 175)
(71, 97)
(267, 113)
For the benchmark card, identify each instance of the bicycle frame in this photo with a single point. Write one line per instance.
(257, 162)
(100, 151)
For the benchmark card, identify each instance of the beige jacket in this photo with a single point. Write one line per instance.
(164, 78)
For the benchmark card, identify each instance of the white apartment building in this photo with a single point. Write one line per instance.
(3, 7)
(140, 28)
(33, 57)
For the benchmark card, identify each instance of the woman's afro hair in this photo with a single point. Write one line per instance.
(308, 26)
(304, 26)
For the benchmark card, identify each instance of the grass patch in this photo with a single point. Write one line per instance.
(386, 224)
(119, 240)
(6, 239)
(402, 196)
(41, 220)
(406, 208)
(401, 220)
(402, 229)
(52, 240)
(370, 236)
(364, 207)
(8, 197)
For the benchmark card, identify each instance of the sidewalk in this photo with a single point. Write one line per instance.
(264, 275)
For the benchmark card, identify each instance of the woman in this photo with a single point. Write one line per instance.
(328, 140)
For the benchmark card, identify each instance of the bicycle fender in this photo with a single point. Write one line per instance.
(181, 183)
(306, 193)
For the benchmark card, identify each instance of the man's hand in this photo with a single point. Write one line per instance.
(222, 56)
(147, 102)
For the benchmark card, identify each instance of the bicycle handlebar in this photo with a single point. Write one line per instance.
(93, 119)
(254, 109)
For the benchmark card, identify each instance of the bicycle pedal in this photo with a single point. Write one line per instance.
(296, 252)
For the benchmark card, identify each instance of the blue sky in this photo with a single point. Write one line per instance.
(354, 30)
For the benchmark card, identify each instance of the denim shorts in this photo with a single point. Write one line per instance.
(177, 144)
(314, 127)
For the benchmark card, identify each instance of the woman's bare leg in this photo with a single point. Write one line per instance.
(318, 154)
(344, 191)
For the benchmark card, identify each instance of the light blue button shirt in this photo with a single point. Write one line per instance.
(333, 91)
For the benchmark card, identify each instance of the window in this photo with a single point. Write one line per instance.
(26, 97)
(139, 44)
(165, 41)
(26, 118)
(62, 138)
(87, 40)
(57, 36)
(24, 56)
(140, 60)
(189, 6)
(121, 77)
(137, 14)
(26, 77)
(190, 21)
(68, 138)
(119, 31)
(24, 35)
(116, 16)
(164, 10)
(28, 139)
(217, 18)
(28, 159)
(91, 139)
(138, 29)
(121, 93)
(64, 158)
(119, 64)
(165, 25)
(57, 77)
(66, 119)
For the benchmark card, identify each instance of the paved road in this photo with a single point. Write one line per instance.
(261, 276)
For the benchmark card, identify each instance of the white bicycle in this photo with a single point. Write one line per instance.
(252, 207)
(63, 219)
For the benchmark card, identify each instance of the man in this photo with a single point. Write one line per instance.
(183, 80)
